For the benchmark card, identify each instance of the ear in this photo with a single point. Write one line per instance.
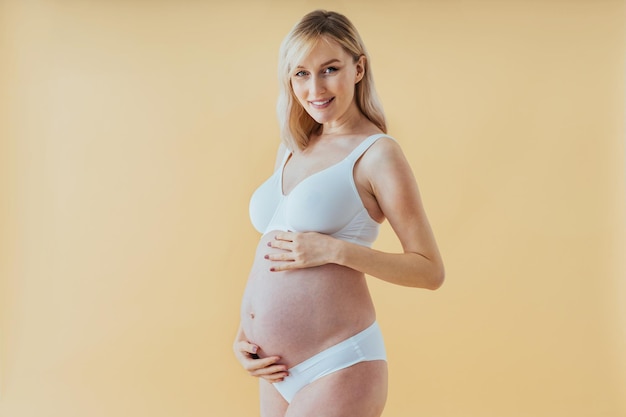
(360, 69)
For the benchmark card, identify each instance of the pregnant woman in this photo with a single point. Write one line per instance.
(308, 326)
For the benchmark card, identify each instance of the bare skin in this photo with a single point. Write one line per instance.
(296, 314)
(307, 291)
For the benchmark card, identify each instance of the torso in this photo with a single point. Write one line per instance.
(296, 314)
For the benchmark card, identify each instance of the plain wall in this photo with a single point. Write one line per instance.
(134, 132)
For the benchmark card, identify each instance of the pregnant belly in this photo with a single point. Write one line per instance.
(296, 314)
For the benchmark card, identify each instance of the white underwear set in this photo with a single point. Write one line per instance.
(326, 202)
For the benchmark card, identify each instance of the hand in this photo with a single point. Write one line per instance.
(266, 368)
(299, 250)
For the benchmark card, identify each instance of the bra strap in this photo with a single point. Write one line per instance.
(284, 161)
(363, 146)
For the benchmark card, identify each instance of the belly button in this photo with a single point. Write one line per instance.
(251, 315)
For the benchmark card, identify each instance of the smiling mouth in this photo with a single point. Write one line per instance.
(321, 103)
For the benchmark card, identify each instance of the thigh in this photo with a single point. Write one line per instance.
(357, 391)
(272, 403)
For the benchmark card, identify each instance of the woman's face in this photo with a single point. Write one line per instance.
(324, 82)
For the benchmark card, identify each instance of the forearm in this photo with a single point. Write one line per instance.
(407, 269)
(415, 267)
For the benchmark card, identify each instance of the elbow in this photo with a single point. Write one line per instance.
(431, 281)
(429, 276)
(436, 282)
(436, 278)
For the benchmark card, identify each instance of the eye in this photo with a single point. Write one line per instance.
(301, 73)
(330, 70)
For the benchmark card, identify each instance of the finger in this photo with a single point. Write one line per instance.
(286, 266)
(253, 365)
(280, 244)
(275, 377)
(284, 236)
(285, 257)
(269, 371)
(246, 347)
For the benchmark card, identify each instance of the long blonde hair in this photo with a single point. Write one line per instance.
(296, 126)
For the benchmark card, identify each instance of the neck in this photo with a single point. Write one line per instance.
(348, 123)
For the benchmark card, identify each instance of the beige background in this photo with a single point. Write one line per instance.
(134, 132)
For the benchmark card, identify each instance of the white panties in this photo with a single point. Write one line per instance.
(367, 345)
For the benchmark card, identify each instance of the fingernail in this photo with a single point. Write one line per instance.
(269, 244)
(266, 256)
(272, 269)
(254, 349)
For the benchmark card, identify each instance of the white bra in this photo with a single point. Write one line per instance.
(326, 202)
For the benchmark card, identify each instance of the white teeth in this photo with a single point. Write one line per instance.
(320, 103)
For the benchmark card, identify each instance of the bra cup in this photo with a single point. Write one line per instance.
(264, 203)
(324, 203)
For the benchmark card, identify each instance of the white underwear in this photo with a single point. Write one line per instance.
(367, 345)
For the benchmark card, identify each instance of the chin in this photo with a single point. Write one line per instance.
(321, 119)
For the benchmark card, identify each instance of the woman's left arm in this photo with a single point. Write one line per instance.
(387, 176)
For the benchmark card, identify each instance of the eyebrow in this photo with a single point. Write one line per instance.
(332, 61)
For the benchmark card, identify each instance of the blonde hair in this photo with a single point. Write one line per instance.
(296, 126)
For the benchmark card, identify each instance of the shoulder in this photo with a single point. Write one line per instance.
(383, 151)
(385, 163)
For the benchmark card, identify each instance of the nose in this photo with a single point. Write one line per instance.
(317, 86)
